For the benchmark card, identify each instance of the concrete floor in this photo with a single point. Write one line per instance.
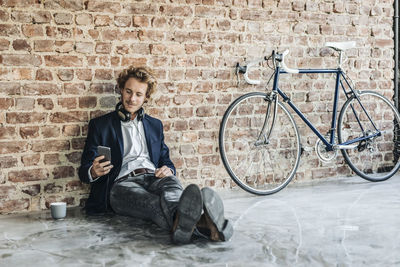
(336, 222)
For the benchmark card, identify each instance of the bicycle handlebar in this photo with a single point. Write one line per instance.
(284, 67)
(245, 69)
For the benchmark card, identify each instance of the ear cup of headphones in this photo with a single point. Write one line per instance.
(140, 114)
(123, 115)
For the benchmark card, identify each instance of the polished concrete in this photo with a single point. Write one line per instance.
(336, 222)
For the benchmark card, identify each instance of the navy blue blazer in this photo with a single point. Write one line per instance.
(106, 131)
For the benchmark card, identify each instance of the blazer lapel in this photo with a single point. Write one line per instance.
(146, 127)
(117, 128)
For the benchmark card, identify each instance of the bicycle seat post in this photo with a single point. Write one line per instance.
(340, 58)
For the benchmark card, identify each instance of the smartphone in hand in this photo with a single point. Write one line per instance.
(104, 151)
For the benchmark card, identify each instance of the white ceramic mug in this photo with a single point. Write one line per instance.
(58, 210)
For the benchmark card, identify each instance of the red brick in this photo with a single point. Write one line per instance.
(43, 45)
(126, 61)
(28, 175)
(69, 103)
(84, 74)
(102, 20)
(46, 103)
(51, 159)
(204, 11)
(50, 131)
(19, 3)
(140, 21)
(30, 160)
(44, 75)
(191, 162)
(183, 11)
(83, 19)
(71, 130)
(21, 60)
(180, 125)
(101, 6)
(104, 74)
(94, 34)
(32, 30)
(72, 5)
(4, 16)
(103, 48)
(74, 186)
(8, 162)
(122, 21)
(8, 206)
(41, 17)
(140, 8)
(52, 188)
(7, 191)
(42, 89)
(102, 88)
(111, 34)
(54, 145)
(21, 16)
(203, 87)
(25, 117)
(6, 103)
(62, 61)
(31, 190)
(71, 116)
(4, 44)
(9, 30)
(29, 132)
(84, 47)
(88, 102)
(20, 44)
(63, 172)
(22, 73)
(65, 74)
(13, 147)
(7, 132)
(74, 88)
(78, 143)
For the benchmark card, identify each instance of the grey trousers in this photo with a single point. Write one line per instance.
(147, 197)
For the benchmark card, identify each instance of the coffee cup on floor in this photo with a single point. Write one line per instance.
(58, 210)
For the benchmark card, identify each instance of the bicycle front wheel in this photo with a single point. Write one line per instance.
(259, 159)
(374, 159)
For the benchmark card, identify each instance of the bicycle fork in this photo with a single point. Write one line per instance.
(263, 138)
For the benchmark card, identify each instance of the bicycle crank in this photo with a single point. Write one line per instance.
(324, 155)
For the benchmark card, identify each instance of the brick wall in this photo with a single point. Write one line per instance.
(59, 60)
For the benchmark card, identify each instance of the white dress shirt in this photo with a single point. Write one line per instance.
(136, 155)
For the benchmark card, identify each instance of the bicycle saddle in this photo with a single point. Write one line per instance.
(341, 46)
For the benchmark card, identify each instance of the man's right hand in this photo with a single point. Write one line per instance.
(100, 168)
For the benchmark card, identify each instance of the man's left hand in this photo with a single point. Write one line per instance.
(162, 172)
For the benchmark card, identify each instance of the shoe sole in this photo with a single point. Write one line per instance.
(189, 211)
(214, 208)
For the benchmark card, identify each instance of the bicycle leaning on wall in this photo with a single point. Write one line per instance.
(260, 143)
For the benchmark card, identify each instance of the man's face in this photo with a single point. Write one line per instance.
(133, 95)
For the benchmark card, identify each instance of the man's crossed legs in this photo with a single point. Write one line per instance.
(187, 213)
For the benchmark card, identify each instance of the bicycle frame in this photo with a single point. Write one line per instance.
(340, 77)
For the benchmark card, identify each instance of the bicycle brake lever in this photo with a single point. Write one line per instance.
(239, 69)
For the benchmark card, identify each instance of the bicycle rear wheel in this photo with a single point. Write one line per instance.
(374, 159)
(258, 164)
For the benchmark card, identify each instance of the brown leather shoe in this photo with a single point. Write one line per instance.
(221, 228)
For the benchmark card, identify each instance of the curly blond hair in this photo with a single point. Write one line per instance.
(142, 74)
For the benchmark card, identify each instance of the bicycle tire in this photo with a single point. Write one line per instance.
(374, 160)
(239, 129)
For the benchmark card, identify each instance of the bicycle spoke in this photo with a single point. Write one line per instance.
(257, 165)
